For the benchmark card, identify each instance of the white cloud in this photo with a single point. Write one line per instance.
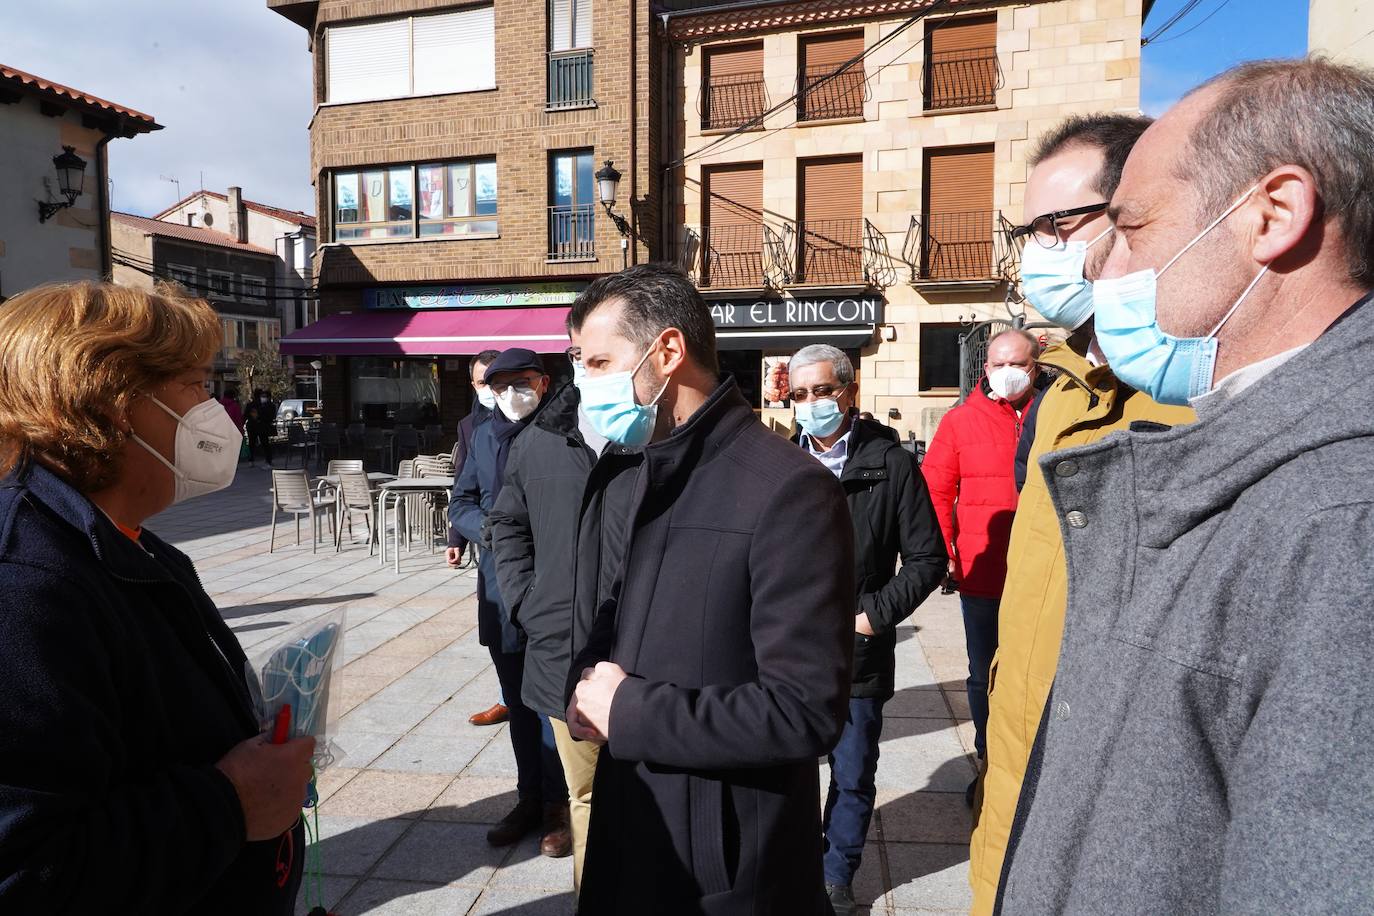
(228, 79)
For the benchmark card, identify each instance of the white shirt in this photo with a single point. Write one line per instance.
(833, 458)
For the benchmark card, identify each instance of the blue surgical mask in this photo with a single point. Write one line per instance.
(1172, 370)
(818, 418)
(1053, 281)
(610, 406)
(579, 373)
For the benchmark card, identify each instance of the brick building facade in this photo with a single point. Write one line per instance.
(456, 202)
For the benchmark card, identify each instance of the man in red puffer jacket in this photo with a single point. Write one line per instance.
(969, 468)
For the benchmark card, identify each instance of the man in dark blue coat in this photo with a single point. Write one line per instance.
(516, 378)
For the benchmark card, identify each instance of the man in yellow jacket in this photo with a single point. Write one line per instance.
(1074, 172)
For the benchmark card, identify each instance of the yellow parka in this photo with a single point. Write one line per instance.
(1084, 404)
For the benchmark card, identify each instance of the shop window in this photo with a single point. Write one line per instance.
(939, 365)
(384, 390)
(411, 55)
(458, 198)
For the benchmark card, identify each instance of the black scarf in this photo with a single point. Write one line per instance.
(505, 430)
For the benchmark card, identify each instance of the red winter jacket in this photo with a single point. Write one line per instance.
(969, 468)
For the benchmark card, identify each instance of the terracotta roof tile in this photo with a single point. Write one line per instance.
(290, 216)
(186, 233)
(67, 93)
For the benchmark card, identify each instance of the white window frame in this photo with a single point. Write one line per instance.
(478, 56)
(416, 221)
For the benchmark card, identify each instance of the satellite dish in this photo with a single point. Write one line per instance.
(207, 219)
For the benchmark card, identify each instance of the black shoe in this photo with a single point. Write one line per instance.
(841, 898)
(527, 815)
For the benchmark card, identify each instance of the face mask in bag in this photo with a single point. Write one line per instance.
(1053, 281)
(206, 451)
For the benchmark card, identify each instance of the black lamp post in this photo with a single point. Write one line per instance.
(71, 171)
(607, 184)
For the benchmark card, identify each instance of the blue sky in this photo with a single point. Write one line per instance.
(1240, 30)
(230, 80)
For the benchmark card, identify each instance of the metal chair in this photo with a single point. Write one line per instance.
(328, 440)
(291, 493)
(375, 442)
(296, 443)
(356, 495)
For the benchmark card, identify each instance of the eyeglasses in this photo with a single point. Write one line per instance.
(524, 386)
(818, 392)
(1046, 228)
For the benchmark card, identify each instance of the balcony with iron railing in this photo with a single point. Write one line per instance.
(843, 252)
(739, 256)
(961, 79)
(570, 79)
(572, 232)
(733, 100)
(967, 249)
(823, 94)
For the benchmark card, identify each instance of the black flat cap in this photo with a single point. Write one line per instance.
(516, 359)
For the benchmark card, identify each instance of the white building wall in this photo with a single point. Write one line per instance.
(66, 246)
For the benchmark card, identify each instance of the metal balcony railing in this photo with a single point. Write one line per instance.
(961, 246)
(822, 93)
(740, 256)
(958, 79)
(570, 79)
(572, 235)
(733, 100)
(843, 251)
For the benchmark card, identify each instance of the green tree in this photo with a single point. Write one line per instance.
(263, 368)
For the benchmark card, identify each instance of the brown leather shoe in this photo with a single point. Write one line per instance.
(557, 841)
(494, 716)
(523, 818)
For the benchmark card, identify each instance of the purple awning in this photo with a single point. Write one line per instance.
(453, 332)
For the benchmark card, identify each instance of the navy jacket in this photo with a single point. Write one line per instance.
(123, 687)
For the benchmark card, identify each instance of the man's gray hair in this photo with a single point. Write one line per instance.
(1312, 113)
(824, 353)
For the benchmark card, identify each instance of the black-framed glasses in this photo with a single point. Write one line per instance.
(1046, 228)
(818, 392)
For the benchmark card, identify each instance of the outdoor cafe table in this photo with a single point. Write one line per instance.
(398, 490)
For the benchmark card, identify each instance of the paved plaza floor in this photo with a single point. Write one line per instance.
(404, 814)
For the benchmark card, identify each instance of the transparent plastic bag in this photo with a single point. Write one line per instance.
(290, 678)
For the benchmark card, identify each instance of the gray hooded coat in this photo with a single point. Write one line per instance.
(1206, 747)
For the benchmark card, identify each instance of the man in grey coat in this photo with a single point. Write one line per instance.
(1205, 746)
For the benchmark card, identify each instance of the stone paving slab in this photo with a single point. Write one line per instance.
(404, 813)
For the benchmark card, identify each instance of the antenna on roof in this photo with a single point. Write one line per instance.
(173, 181)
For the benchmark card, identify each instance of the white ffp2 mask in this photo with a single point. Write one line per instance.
(205, 455)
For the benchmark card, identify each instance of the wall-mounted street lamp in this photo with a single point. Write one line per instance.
(71, 171)
(607, 184)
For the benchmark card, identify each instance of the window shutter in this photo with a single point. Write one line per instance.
(582, 23)
(561, 25)
(832, 50)
(734, 225)
(735, 60)
(455, 52)
(369, 61)
(832, 219)
(959, 216)
(962, 34)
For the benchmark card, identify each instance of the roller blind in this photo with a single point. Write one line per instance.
(421, 55)
(735, 60)
(455, 52)
(832, 188)
(968, 33)
(736, 194)
(369, 61)
(959, 179)
(570, 23)
(831, 50)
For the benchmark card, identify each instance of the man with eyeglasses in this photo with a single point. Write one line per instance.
(893, 519)
(533, 535)
(518, 383)
(1064, 244)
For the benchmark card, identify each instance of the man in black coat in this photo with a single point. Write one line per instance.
(893, 518)
(532, 528)
(517, 380)
(719, 665)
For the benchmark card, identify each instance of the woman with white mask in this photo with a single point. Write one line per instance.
(132, 749)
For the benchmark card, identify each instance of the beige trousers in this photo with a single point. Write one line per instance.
(579, 768)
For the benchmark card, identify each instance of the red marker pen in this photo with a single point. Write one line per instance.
(281, 728)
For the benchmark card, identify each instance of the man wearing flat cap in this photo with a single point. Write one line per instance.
(517, 380)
